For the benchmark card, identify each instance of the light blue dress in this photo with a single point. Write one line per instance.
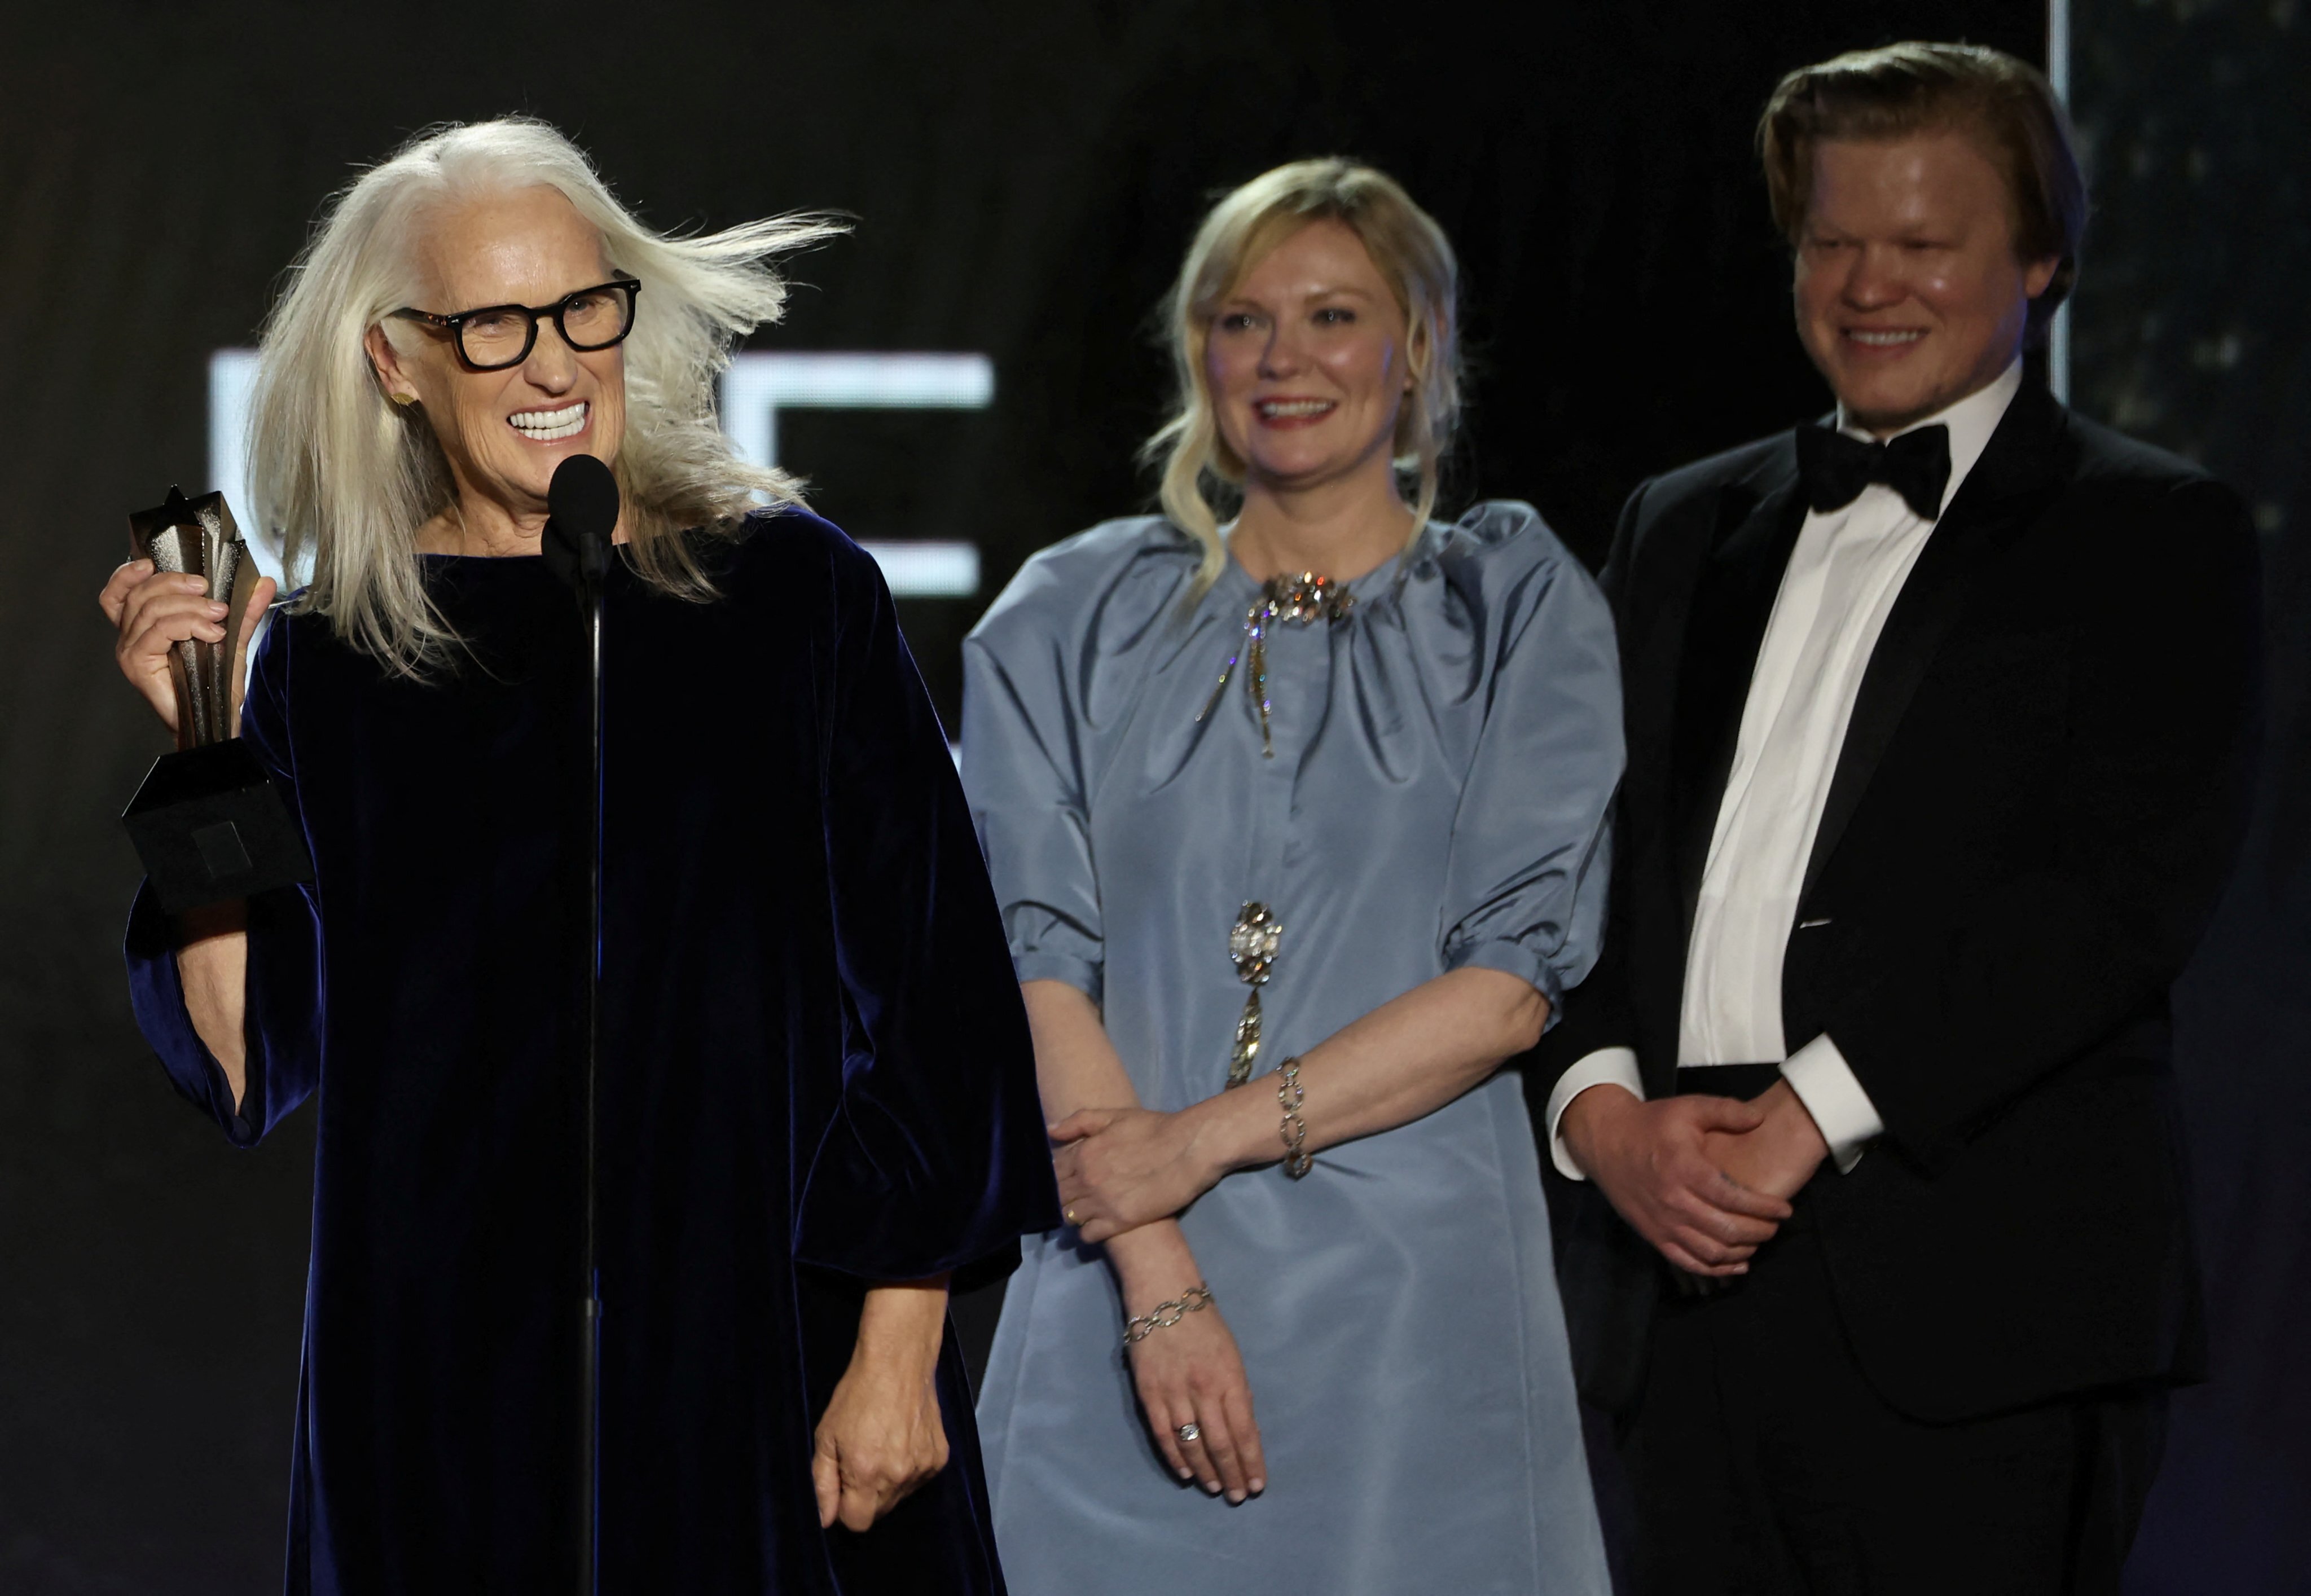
(1445, 753)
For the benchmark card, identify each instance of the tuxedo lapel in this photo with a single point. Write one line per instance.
(2002, 495)
(1757, 527)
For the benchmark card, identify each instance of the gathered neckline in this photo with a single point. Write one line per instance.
(1381, 575)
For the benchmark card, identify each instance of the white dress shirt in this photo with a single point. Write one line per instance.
(1843, 576)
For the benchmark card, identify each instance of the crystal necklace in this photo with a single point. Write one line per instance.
(1302, 600)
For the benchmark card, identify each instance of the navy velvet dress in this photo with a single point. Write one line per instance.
(816, 1073)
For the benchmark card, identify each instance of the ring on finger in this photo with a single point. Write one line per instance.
(1191, 1431)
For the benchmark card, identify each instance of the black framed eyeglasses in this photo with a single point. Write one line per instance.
(496, 336)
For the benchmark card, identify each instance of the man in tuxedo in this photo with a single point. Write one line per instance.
(1939, 724)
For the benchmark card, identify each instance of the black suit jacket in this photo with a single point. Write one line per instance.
(2035, 805)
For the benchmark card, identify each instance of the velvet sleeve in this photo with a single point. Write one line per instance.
(283, 1030)
(1525, 892)
(936, 1157)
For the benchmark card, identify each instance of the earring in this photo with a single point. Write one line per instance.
(405, 398)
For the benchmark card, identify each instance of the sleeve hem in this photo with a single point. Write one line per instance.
(1841, 1110)
(157, 997)
(975, 1263)
(1511, 958)
(1085, 975)
(1607, 1067)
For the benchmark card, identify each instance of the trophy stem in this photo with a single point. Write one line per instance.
(190, 672)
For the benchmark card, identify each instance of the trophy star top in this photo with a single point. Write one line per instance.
(206, 515)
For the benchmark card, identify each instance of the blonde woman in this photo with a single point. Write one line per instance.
(817, 1093)
(1297, 819)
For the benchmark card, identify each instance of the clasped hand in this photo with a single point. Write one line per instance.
(1121, 1168)
(1705, 1179)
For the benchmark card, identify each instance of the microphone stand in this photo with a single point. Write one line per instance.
(593, 560)
(583, 514)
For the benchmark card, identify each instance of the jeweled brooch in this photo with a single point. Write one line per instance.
(1252, 944)
(1301, 599)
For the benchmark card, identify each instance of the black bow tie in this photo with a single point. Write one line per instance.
(1835, 467)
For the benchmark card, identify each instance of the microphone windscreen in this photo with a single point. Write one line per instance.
(582, 500)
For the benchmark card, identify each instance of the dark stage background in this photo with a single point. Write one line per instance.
(2192, 331)
(1024, 179)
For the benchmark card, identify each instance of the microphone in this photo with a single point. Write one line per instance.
(581, 506)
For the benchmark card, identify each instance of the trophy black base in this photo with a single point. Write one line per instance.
(210, 826)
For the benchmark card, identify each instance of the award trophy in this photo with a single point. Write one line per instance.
(208, 823)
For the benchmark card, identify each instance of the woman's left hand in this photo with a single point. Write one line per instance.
(882, 1437)
(1121, 1168)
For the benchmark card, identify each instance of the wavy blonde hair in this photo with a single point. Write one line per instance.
(342, 477)
(1202, 479)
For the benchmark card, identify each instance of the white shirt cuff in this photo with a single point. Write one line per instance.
(1841, 1110)
(1607, 1067)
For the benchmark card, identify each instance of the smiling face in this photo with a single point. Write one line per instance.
(1909, 292)
(1305, 362)
(504, 432)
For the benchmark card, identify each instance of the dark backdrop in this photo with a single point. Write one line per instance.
(2193, 331)
(1024, 179)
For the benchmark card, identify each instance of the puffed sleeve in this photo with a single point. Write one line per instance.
(1024, 758)
(936, 1157)
(283, 1013)
(1531, 839)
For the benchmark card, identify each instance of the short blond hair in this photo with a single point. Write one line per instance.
(1413, 256)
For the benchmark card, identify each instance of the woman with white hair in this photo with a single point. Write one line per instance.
(816, 1099)
(1298, 824)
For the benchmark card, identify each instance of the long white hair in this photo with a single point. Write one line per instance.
(343, 478)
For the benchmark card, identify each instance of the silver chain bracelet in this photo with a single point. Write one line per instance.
(1294, 1131)
(1165, 1315)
